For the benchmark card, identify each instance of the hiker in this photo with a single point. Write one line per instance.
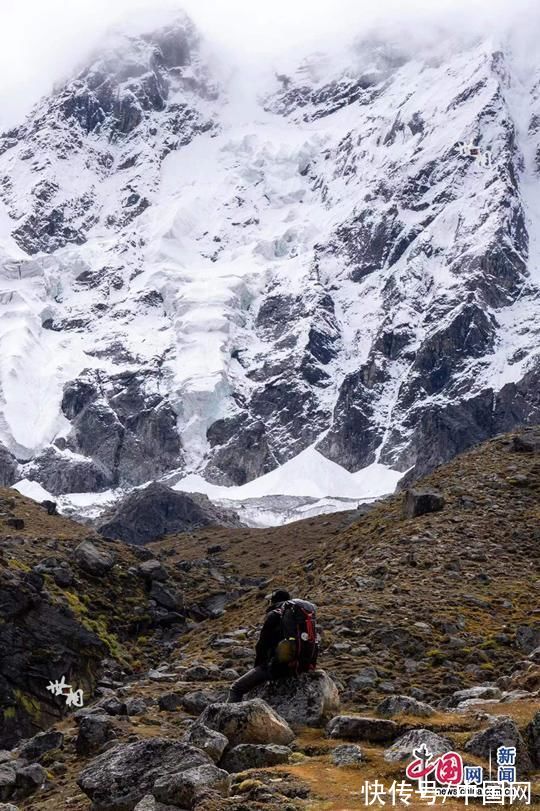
(287, 645)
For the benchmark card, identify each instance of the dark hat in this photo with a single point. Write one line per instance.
(279, 596)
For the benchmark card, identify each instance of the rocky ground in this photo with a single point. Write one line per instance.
(431, 626)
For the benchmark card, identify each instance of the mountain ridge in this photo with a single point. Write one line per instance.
(204, 286)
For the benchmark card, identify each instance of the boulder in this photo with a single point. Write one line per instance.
(152, 570)
(404, 747)
(358, 728)
(349, 754)
(208, 740)
(59, 570)
(254, 756)
(198, 700)
(184, 788)
(94, 732)
(112, 705)
(157, 510)
(92, 560)
(488, 691)
(9, 468)
(305, 701)
(165, 596)
(136, 706)
(501, 732)
(364, 680)
(28, 779)
(247, 722)
(8, 778)
(34, 748)
(532, 736)
(8, 807)
(397, 705)
(421, 502)
(528, 637)
(120, 777)
(170, 702)
(149, 803)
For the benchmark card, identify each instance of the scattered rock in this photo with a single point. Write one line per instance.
(7, 781)
(404, 747)
(365, 679)
(112, 705)
(528, 637)
(488, 691)
(92, 560)
(247, 722)
(152, 570)
(532, 736)
(28, 779)
(43, 742)
(184, 788)
(307, 700)
(120, 777)
(357, 728)
(211, 742)
(502, 732)
(396, 705)
(59, 570)
(254, 756)
(165, 596)
(349, 754)
(198, 700)
(94, 732)
(136, 706)
(170, 702)
(421, 502)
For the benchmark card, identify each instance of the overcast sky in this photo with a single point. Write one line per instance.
(41, 40)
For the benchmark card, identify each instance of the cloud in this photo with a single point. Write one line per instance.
(42, 40)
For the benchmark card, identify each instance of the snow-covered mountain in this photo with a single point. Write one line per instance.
(206, 275)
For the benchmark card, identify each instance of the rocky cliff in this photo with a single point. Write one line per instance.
(196, 280)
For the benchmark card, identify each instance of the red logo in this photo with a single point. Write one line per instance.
(448, 768)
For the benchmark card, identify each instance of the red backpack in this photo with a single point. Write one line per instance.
(299, 647)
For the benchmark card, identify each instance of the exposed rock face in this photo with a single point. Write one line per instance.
(30, 623)
(247, 722)
(389, 313)
(120, 777)
(9, 468)
(308, 700)
(123, 425)
(64, 472)
(148, 514)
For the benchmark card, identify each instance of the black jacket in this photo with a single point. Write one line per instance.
(269, 638)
